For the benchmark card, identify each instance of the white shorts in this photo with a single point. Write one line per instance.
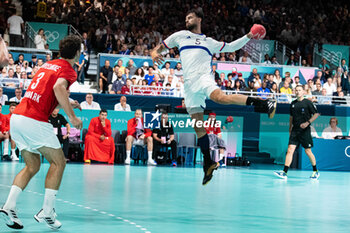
(196, 90)
(30, 134)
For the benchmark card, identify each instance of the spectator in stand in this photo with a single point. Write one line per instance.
(277, 77)
(11, 65)
(89, 103)
(245, 58)
(26, 68)
(126, 88)
(100, 32)
(20, 60)
(99, 143)
(241, 79)
(270, 81)
(16, 27)
(145, 67)
(296, 82)
(325, 69)
(10, 80)
(165, 137)
(122, 106)
(311, 84)
(292, 61)
(132, 68)
(48, 57)
(40, 63)
(228, 85)
(273, 88)
(138, 135)
(340, 100)
(318, 90)
(267, 60)
(86, 43)
(343, 66)
(253, 75)
(165, 71)
(274, 60)
(286, 92)
(156, 80)
(171, 81)
(150, 76)
(119, 63)
(263, 90)
(40, 39)
(329, 86)
(178, 71)
(18, 96)
(324, 99)
(251, 87)
(215, 73)
(3, 97)
(106, 73)
(3, 73)
(139, 74)
(332, 130)
(33, 62)
(35, 69)
(168, 91)
(345, 83)
(18, 72)
(219, 84)
(318, 77)
(124, 50)
(118, 84)
(237, 86)
(127, 74)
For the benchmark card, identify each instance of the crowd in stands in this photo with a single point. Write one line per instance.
(135, 27)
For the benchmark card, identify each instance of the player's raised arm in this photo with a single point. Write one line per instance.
(156, 54)
(4, 54)
(256, 32)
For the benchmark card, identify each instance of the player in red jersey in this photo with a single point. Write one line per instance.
(34, 135)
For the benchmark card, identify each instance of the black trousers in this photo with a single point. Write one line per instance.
(157, 145)
(15, 40)
(65, 145)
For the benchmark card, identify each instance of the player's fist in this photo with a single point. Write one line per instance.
(258, 31)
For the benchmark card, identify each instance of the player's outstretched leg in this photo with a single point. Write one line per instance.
(203, 141)
(8, 212)
(315, 174)
(262, 106)
(52, 183)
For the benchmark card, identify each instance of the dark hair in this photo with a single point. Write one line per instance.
(142, 72)
(13, 105)
(103, 110)
(69, 46)
(21, 54)
(40, 30)
(299, 86)
(197, 12)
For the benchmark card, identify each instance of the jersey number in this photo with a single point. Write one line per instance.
(198, 41)
(35, 84)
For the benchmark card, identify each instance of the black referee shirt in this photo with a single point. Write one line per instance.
(301, 111)
(58, 122)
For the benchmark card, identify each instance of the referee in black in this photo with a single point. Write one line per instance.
(302, 113)
(57, 121)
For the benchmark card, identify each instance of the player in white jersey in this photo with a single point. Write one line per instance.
(196, 51)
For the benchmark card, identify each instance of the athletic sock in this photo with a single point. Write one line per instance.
(128, 152)
(314, 168)
(12, 198)
(49, 200)
(203, 143)
(259, 105)
(285, 169)
(13, 152)
(150, 155)
(6, 146)
(221, 156)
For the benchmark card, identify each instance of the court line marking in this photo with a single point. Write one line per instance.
(91, 209)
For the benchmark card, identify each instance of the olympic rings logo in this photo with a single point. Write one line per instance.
(346, 151)
(51, 36)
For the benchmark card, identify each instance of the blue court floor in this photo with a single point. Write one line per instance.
(136, 199)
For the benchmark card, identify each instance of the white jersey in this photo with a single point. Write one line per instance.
(196, 51)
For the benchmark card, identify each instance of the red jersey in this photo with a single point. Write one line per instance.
(39, 100)
(213, 130)
(3, 123)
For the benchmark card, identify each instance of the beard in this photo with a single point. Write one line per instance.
(190, 27)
